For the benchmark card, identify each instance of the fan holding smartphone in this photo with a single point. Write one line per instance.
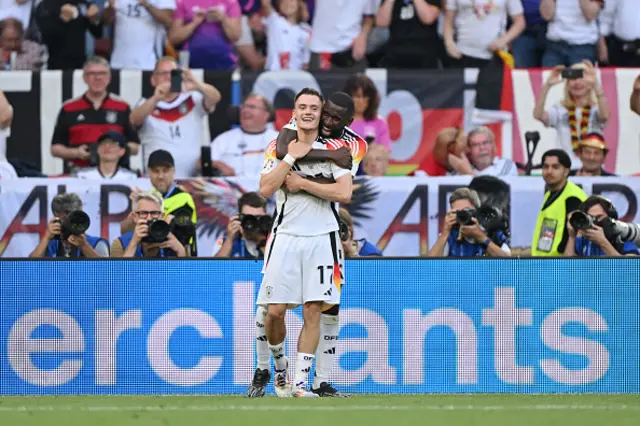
(583, 110)
(172, 118)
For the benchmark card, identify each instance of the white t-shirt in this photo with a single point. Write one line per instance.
(499, 167)
(559, 120)
(300, 213)
(569, 24)
(621, 18)
(176, 127)
(479, 22)
(288, 46)
(138, 38)
(7, 171)
(94, 173)
(336, 23)
(243, 152)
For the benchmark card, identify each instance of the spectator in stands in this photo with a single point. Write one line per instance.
(459, 239)
(147, 206)
(208, 30)
(240, 151)
(561, 197)
(249, 241)
(592, 151)
(55, 242)
(173, 121)
(597, 240)
(250, 56)
(572, 33)
(481, 157)
(287, 34)
(63, 24)
(354, 247)
(139, 31)
(339, 33)
(528, 48)
(366, 121)
(583, 110)
(634, 100)
(112, 146)
(81, 121)
(413, 33)
(6, 118)
(16, 53)
(177, 202)
(618, 22)
(480, 30)
(376, 160)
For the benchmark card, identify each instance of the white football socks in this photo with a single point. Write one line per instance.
(303, 367)
(326, 353)
(279, 358)
(262, 346)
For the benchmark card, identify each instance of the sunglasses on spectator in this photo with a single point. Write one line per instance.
(146, 213)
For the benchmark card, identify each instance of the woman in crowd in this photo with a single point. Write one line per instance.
(288, 34)
(366, 121)
(583, 110)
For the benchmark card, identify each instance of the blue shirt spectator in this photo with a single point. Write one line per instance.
(586, 248)
(456, 247)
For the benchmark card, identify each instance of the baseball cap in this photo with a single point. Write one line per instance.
(114, 136)
(160, 158)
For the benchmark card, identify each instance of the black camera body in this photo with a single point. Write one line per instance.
(256, 225)
(465, 217)
(158, 231)
(581, 221)
(344, 230)
(74, 223)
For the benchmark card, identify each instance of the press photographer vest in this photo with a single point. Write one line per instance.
(52, 247)
(552, 221)
(176, 199)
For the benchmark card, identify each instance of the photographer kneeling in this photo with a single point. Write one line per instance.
(470, 229)
(351, 246)
(592, 231)
(65, 235)
(247, 231)
(153, 235)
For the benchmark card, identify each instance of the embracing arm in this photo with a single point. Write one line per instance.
(339, 192)
(284, 139)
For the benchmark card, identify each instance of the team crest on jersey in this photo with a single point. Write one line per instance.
(111, 117)
(183, 108)
(269, 292)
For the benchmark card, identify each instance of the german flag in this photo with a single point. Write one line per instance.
(494, 91)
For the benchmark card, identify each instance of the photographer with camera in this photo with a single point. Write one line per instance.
(154, 233)
(471, 229)
(247, 231)
(592, 231)
(65, 235)
(351, 246)
(176, 202)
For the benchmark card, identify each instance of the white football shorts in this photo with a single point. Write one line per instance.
(302, 269)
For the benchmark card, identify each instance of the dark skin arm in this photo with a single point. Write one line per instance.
(341, 156)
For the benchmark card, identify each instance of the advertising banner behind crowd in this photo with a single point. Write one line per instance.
(401, 215)
(407, 326)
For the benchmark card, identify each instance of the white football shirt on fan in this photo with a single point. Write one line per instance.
(94, 173)
(177, 127)
(300, 213)
(288, 46)
(242, 151)
(6, 169)
(138, 37)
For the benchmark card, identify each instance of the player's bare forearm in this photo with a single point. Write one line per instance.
(320, 179)
(270, 182)
(339, 192)
(286, 136)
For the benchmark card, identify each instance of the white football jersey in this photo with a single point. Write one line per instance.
(300, 213)
(138, 38)
(288, 46)
(94, 173)
(177, 127)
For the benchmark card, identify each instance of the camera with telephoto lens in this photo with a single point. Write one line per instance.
(74, 223)
(465, 217)
(344, 230)
(183, 227)
(158, 231)
(581, 221)
(489, 218)
(252, 225)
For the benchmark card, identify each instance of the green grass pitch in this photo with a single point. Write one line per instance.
(366, 410)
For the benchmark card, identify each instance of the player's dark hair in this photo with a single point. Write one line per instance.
(252, 199)
(563, 157)
(309, 91)
(343, 100)
(362, 82)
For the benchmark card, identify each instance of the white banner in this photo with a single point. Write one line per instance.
(401, 215)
